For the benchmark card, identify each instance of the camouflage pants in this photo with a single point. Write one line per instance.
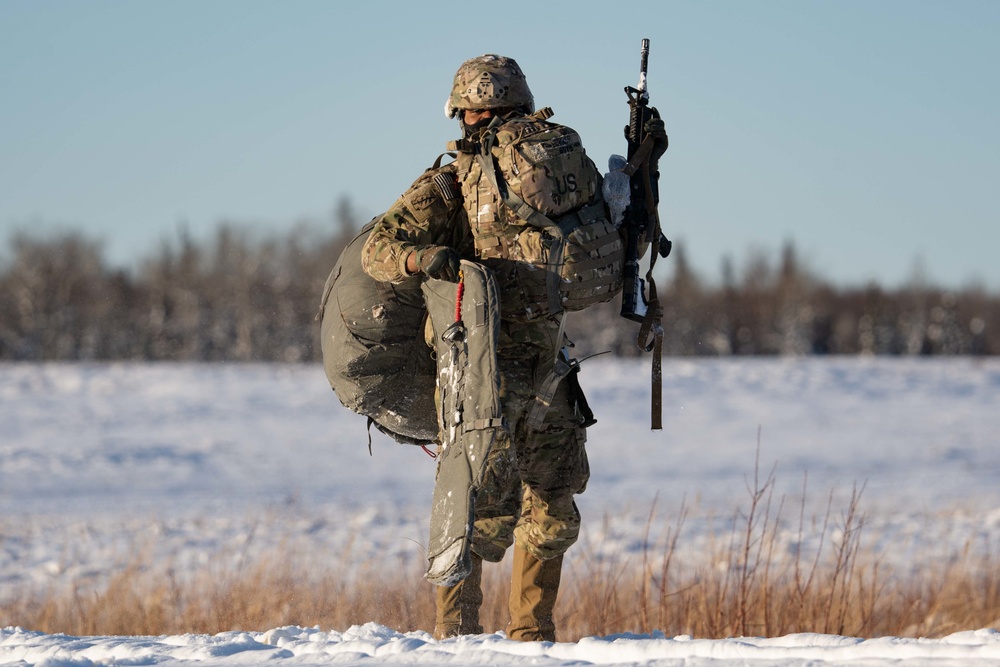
(532, 475)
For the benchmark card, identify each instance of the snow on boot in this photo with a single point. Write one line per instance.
(533, 590)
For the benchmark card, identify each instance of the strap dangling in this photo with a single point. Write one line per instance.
(652, 323)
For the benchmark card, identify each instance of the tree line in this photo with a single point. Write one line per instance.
(244, 296)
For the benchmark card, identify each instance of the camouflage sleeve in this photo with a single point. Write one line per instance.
(429, 213)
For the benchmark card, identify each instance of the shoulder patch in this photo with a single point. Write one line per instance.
(446, 185)
(422, 201)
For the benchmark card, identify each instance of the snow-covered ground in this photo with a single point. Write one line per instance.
(372, 644)
(198, 460)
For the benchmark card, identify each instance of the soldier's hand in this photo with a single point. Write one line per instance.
(440, 262)
(656, 128)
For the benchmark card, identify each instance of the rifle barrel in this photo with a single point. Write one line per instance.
(642, 68)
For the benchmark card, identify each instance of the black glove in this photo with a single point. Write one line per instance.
(656, 128)
(438, 261)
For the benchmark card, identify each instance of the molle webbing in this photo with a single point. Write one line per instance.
(534, 218)
(575, 279)
(593, 258)
(584, 252)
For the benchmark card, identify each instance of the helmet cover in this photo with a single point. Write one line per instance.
(489, 82)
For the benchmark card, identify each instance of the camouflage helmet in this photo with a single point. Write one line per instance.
(489, 82)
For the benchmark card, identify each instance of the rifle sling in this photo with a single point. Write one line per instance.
(640, 158)
(652, 323)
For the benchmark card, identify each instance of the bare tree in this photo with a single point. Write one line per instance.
(246, 295)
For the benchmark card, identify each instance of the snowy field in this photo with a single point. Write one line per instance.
(198, 460)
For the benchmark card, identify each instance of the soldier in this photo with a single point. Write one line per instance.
(539, 462)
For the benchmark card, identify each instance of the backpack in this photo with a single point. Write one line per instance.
(374, 353)
(542, 174)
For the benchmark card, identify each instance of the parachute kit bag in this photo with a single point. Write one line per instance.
(374, 352)
(466, 322)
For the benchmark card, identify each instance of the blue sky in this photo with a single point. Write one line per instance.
(866, 132)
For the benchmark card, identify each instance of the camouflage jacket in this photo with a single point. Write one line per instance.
(429, 213)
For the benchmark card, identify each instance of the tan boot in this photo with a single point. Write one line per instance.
(533, 589)
(458, 605)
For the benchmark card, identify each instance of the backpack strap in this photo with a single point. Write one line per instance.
(449, 153)
(566, 369)
(562, 366)
(547, 391)
(543, 114)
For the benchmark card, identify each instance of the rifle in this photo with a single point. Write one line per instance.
(641, 225)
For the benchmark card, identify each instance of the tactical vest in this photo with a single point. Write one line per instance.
(535, 207)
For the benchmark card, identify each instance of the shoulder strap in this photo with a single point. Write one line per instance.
(543, 114)
(437, 162)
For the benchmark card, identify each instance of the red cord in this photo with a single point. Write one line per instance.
(458, 301)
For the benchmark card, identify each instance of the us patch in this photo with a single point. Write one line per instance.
(447, 186)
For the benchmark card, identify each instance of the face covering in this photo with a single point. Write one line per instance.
(475, 130)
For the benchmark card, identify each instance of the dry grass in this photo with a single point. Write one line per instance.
(746, 583)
